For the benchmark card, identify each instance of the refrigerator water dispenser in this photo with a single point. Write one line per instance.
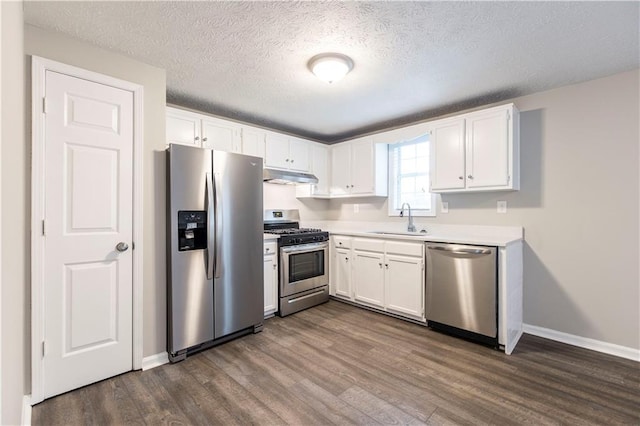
(192, 230)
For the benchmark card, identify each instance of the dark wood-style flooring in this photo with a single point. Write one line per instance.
(339, 364)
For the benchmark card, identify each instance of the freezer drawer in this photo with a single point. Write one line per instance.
(462, 288)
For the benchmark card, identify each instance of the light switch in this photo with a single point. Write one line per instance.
(445, 207)
(502, 206)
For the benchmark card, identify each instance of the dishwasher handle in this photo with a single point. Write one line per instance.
(458, 250)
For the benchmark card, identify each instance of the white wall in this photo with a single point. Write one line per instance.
(77, 53)
(579, 206)
(15, 332)
(277, 196)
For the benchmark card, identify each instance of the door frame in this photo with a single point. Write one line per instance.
(39, 66)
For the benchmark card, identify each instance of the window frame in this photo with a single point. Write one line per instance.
(393, 179)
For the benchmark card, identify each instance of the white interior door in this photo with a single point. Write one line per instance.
(87, 318)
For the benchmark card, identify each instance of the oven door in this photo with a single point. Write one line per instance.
(303, 267)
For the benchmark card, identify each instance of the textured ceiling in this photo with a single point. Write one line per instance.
(413, 60)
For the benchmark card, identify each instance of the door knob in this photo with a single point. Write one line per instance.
(122, 246)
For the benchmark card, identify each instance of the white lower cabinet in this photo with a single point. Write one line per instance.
(270, 279)
(368, 277)
(384, 274)
(340, 265)
(342, 277)
(405, 285)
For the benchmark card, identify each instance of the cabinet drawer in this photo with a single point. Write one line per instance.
(270, 248)
(368, 244)
(342, 242)
(408, 249)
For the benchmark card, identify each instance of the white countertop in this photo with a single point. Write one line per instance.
(499, 236)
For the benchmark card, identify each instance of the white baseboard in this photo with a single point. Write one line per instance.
(153, 361)
(583, 342)
(26, 410)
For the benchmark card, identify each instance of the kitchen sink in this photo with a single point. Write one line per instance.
(403, 234)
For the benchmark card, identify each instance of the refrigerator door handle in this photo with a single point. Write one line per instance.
(217, 269)
(211, 231)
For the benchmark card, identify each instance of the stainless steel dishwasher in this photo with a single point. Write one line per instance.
(461, 296)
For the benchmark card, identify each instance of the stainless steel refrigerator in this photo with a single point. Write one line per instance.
(214, 252)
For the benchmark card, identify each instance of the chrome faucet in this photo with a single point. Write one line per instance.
(410, 226)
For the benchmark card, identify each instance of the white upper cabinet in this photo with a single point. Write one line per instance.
(479, 151)
(286, 152)
(203, 131)
(253, 141)
(487, 156)
(447, 154)
(341, 169)
(359, 168)
(319, 166)
(221, 135)
(183, 127)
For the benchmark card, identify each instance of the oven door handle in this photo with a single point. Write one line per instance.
(305, 248)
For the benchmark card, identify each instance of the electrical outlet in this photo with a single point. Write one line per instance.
(445, 207)
(356, 208)
(502, 207)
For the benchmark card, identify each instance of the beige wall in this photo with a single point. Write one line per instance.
(16, 200)
(74, 52)
(579, 206)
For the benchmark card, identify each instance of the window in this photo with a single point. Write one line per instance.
(409, 177)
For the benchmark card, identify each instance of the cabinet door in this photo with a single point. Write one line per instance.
(488, 149)
(320, 168)
(298, 155)
(362, 167)
(368, 277)
(182, 128)
(447, 155)
(340, 169)
(252, 142)
(221, 135)
(342, 262)
(276, 151)
(404, 284)
(270, 284)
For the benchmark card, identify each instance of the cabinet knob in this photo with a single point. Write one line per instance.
(197, 138)
(460, 177)
(275, 266)
(347, 186)
(346, 259)
(286, 159)
(340, 243)
(470, 177)
(267, 249)
(204, 139)
(292, 161)
(380, 265)
(387, 265)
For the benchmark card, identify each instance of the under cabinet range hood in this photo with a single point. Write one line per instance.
(287, 176)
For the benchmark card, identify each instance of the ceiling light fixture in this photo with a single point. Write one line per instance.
(330, 67)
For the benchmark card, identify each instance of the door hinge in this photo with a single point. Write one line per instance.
(44, 105)
(43, 227)
(43, 349)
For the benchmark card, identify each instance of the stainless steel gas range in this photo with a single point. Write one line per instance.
(303, 261)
